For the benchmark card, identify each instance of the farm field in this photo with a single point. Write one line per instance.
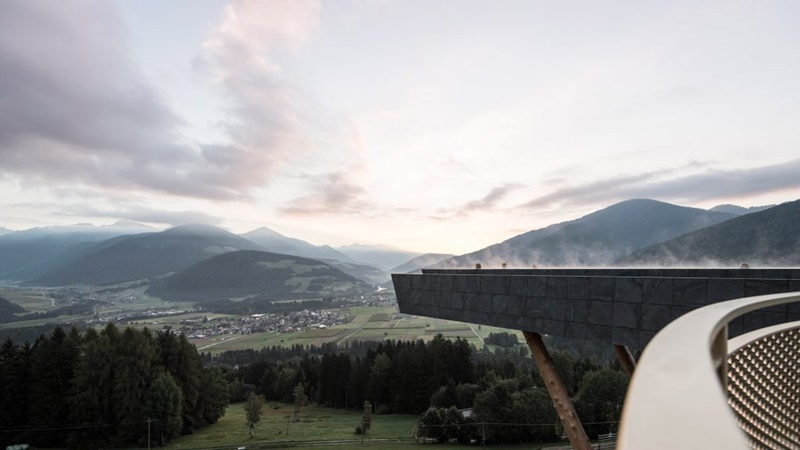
(33, 300)
(369, 323)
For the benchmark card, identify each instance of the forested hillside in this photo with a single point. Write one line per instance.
(250, 273)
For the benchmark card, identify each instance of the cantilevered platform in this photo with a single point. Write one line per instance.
(619, 306)
(623, 307)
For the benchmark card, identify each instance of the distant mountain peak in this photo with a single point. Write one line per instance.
(739, 210)
(127, 223)
(196, 228)
(596, 239)
(264, 232)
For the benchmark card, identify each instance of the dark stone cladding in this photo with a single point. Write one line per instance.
(618, 305)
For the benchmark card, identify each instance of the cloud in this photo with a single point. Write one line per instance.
(265, 127)
(332, 193)
(148, 215)
(75, 109)
(709, 185)
(489, 202)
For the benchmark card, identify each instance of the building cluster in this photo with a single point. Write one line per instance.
(203, 326)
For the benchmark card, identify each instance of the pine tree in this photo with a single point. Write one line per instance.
(52, 363)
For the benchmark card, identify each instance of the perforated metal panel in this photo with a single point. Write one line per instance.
(764, 390)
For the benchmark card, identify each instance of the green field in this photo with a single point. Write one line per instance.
(33, 300)
(369, 323)
(277, 426)
(314, 427)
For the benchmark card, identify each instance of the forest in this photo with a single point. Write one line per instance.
(105, 389)
(100, 389)
(501, 388)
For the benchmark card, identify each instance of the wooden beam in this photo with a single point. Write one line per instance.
(625, 358)
(558, 393)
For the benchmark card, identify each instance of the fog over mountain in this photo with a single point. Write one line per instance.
(632, 232)
(597, 239)
(765, 238)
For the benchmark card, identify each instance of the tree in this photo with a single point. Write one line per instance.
(366, 417)
(379, 384)
(431, 424)
(52, 364)
(300, 398)
(163, 407)
(214, 395)
(253, 409)
(600, 399)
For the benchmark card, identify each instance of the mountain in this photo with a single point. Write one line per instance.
(420, 262)
(739, 210)
(27, 253)
(597, 239)
(766, 238)
(134, 257)
(9, 311)
(5, 231)
(248, 273)
(363, 272)
(274, 242)
(381, 256)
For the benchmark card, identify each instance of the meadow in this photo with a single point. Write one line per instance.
(314, 427)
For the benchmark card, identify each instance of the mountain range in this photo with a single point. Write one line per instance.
(597, 239)
(187, 258)
(770, 237)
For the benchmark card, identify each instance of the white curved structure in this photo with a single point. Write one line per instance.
(694, 389)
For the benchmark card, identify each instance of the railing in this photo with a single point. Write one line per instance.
(683, 395)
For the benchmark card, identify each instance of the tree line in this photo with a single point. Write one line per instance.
(106, 389)
(439, 379)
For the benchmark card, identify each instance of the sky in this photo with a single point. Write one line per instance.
(428, 125)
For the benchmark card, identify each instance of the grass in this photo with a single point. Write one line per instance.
(313, 424)
(33, 300)
(315, 427)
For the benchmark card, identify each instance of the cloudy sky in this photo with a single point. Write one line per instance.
(431, 125)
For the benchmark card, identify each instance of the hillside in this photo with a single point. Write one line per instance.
(739, 210)
(421, 261)
(364, 272)
(597, 239)
(128, 258)
(274, 242)
(9, 311)
(767, 238)
(35, 249)
(248, 273)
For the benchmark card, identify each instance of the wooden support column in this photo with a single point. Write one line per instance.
(625, 358)
(558, 393)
